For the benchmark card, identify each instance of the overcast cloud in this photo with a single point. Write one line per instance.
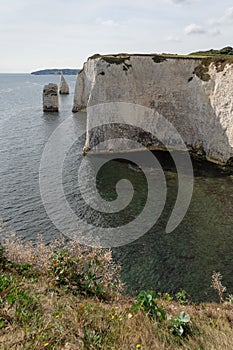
(38, 34)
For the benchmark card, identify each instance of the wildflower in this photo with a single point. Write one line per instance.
(57, 316)
(138, 346)
(112, 318)
(120, 318)
(46, 344)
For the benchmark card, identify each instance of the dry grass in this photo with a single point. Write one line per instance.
(37, 254)
(36, 313)
(40, 255)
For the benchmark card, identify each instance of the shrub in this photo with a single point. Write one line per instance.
(74, 274)
(89, 272)
(72, 266)
(217, 285)
(182, 297)
(148, 303)
(228, 50)
(181, 324)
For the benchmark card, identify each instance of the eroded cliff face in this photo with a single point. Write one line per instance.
(195, 98)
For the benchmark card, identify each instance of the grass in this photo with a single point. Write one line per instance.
(41, 309)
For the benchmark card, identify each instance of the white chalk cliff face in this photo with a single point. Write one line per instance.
(196, 98)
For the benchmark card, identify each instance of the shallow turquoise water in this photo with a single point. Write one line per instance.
(201, 244)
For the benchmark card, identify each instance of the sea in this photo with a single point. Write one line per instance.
(166, 262)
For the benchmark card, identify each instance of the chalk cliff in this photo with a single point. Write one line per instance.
(195, 95)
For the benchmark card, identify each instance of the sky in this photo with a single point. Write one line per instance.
(39, 34)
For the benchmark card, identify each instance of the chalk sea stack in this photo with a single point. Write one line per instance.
(50, 98)
(64, 87)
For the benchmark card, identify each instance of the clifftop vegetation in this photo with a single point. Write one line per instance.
(68, 299)
(228, 50)
(218, 57)
(224, 53)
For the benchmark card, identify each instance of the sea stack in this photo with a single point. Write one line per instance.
(50, 98)
(64, 87)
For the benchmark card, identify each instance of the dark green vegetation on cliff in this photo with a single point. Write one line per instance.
(228, 50)
(218, 57)
(56, 71)
(219, 61)
(158, 58)
(56, 298)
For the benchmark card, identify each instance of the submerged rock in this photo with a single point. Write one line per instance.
(50, 98)
(64, 87)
